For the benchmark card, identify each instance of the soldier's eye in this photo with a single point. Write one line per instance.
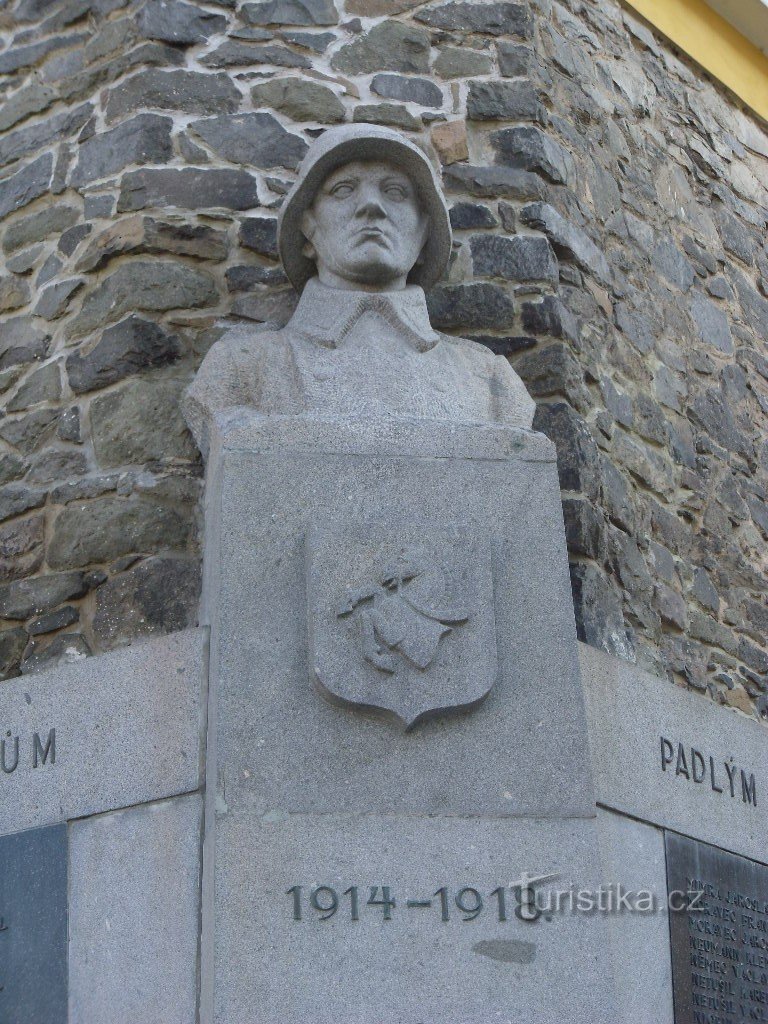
(342, 190)
(396, 191)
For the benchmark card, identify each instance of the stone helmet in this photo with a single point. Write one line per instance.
(339, 146)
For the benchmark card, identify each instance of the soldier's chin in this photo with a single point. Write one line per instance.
(376, 267)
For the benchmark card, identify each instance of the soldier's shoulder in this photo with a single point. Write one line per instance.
(467, 345)
(246, 336)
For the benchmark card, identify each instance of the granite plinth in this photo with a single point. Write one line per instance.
(305, 792)
(633, 858)
(523, 751)
(135, 914)
(107, 732)
(668, 756)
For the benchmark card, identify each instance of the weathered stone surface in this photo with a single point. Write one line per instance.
(30, 100)
(514, 58)
(17, 57)
(106, 528)
(576, 448)
(554, 370)
(25, 185)
(568, 240)
(164, 838)
(174, 21)
(15, 500)
(451, 142)
(72, 237)
(290, 12)
(465, 216)
(12, 644)
(504, 101)
(21, 143)
(259, 234)
(531, 149)
(24, 261)
(27, 433)
(14, 292)
(711, 323)
(140, 423)
(458, 62)
(55, 299)
(599, 613)
(252, 139)
(44, 385)
(125, 349)
(11, 468)
(147, 285)
(519, 258)
(494, 19)
(318, 42)
(64, 649)
(150, 694)
(390, 114)
(57, 465)
(407, 90)
(146, 138)
(54, 621)
(36, 227)
(299, 99)
(21, 547)
(493, 182)
(673, 265)
(190, 91)
(233, 54)
(471, 306)
(146, 235)
(157, 596)
(188, 188)
(389, 46)
(379, 8)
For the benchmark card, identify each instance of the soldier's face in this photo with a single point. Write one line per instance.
(365, 227)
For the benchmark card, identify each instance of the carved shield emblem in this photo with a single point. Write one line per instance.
(401, 623)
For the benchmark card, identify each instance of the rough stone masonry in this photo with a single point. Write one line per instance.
(609, 205)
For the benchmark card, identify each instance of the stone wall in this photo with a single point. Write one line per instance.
(609, 207)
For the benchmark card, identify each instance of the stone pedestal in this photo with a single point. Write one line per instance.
(341, 773)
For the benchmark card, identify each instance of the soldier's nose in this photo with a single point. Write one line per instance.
(370, 206)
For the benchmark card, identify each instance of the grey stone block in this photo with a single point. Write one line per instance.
(27, 184)
(127, 730)
(492, 19)
(305, 792)
(297, 473)
(414, 967)
(134, 914)
(146, 138)
(631, 713)
(633, 857)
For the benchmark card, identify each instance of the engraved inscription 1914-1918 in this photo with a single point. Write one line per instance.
(720, 943)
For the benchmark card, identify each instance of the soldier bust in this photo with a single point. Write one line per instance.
(362, 233)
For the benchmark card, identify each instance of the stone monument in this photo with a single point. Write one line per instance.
(358, 792)
(396, 730)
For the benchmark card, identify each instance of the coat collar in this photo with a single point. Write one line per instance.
(327, 315)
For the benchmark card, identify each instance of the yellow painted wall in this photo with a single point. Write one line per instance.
(714, 44)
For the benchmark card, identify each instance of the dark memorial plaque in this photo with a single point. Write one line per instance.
(33, 927)
(720, 942)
